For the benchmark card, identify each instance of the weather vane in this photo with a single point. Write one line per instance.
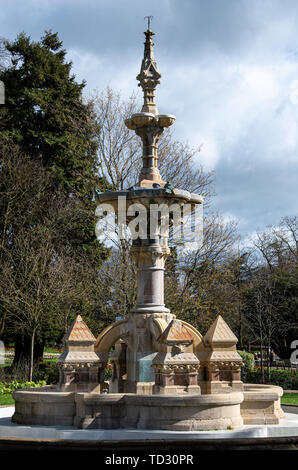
(149, 18)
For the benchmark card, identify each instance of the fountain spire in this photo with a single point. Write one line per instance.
(148, 124)
(149, 77)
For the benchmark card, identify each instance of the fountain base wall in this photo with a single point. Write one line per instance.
(259, 404)
(172, 413)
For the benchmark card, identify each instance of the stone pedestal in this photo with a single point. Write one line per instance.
(79, 365)
(176, 369)
(220, 363)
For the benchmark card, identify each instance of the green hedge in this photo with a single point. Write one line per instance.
(248, 360)
(284, 378)
(9, 387)
(48, 371)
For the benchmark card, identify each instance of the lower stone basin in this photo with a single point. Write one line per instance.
(261, 404)
(258, 404)
(192, 413)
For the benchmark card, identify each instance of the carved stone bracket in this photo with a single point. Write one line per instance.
(176, 368)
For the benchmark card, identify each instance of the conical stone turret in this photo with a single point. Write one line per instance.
(79, 365)
(220, 334)
(220, 362)
(176, 368)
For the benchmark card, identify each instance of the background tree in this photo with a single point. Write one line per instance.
(116, 289)
(120, 150)
(45, 119)
(46, 116)
(270, 297)
(45, 113)
(278, 246)
(207, 279)
(38, 290)
(41, 283)
(260, 314)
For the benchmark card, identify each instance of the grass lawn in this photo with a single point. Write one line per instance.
(289, 399)
(50, 361)
(6, 399)
(52, 350)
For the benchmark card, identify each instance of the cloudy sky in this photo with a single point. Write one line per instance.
(229, 75)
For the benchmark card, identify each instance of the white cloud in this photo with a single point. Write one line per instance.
(99, 72)
(229, 74)
(237, 100)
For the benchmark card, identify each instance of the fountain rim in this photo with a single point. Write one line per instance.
(138, 192)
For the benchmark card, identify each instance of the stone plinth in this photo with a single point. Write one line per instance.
(176, 368)
(261, 404)
(79, 365)
(220, 362)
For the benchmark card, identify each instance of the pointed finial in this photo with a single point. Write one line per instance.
(149, 75)
(149, 18)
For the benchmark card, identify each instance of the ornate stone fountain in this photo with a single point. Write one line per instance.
(166, 376)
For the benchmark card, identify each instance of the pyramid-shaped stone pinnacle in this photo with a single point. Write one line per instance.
(149, 66)
(219, 332)
(79, 331)
(175, 332)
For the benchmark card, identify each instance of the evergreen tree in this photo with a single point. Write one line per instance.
(45, 113)
(46, 118)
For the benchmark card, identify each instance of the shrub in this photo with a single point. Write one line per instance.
(108, 372)
(49, 372)
(18, 372)
(9, 387)
(284, 378)
(248, 360)
(248, 364)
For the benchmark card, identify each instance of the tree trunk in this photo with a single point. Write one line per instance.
(269, 362)
(31, 356)
(38, 350)
(262, 361)
(240, 328)
(22, 348)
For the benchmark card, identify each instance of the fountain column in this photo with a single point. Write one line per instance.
(150, 262)
(149, 256)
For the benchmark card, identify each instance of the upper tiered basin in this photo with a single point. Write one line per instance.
(146, 119)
